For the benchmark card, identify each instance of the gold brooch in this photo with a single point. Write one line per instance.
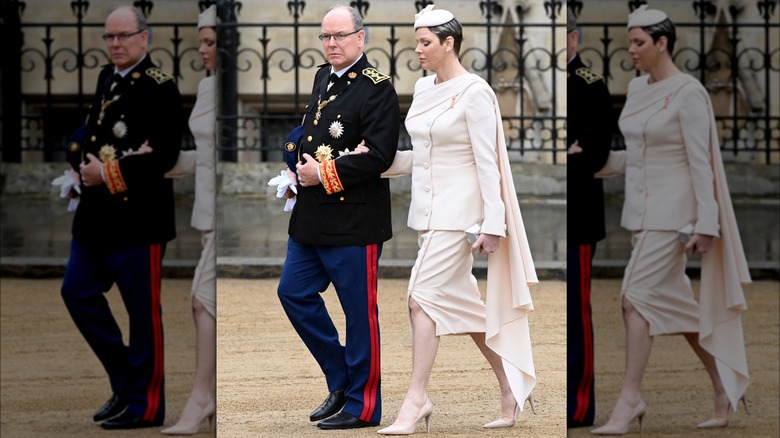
(323, 153)
(107, 153)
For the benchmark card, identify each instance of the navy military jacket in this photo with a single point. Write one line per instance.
(591, 122)
(136, 205)
(352, 205)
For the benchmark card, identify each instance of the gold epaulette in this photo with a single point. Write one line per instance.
(158, 75)
(114, 180)
(375, 75)
(588, 75)
(330, 178)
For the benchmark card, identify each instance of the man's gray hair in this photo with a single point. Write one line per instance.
(140, 19)
(357, 19)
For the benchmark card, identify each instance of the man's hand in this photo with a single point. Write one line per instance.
(289, 194)
(76, 177)
(574, 148)
(308, 174)
(486, 244)
(91, 171)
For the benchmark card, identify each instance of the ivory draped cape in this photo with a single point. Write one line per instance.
(510, 269)
(678, 110)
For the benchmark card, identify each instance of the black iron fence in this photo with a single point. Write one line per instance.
(517, 51)
(266, 69)
(50, 70)
(736, 56)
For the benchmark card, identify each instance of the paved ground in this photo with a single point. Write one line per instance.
(267, 382)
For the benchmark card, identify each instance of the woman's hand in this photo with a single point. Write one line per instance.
(699, 244)
(486, 244)
(360, 148)
(574, 148)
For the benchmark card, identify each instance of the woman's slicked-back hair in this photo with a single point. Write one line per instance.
(452, 29)
(663, 29)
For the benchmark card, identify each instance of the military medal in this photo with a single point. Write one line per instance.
(107, 153)
(119, 129)
(323, 153)
(104, 104)
(322, 104)
(336, 129)
(352, 75)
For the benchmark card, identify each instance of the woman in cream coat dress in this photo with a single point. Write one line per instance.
(676, 201)
(460, 171)
(202, 161)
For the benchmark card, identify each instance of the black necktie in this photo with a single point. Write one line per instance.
(332, 80)
(115, 80)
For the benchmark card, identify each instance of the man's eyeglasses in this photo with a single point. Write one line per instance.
(121, 37)
(338, 37)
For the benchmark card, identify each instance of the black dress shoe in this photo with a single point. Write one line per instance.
(335, 401)
(128, 421)
(344, 420)
(113, 407)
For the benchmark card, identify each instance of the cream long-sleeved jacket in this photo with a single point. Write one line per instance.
(669, 179)
(202, 160)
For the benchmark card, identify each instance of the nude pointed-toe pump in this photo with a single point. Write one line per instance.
(722, 422)
(504, 423)
(622, 429)
(408, 429)
(184, 428)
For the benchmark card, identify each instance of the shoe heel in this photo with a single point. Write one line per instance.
(641, 423)
(531, 402)
(213, 423)
(744, 404)
(428, 422)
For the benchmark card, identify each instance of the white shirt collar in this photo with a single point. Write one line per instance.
(124, 72)
(344, 70)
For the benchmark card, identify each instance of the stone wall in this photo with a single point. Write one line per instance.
(531, 179)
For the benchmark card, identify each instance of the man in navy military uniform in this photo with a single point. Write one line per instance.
(124, 219)
(590, 124)
(340, 220)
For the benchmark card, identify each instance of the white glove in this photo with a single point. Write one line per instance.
(283, 183)
(66, 183)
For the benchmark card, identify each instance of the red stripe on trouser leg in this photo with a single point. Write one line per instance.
(583, 391)
(156, 381)
(372, 385)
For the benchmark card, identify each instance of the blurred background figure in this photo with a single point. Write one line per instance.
(202, 163)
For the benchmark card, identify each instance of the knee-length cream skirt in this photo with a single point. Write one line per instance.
(656, 285)
(443, 285)
(204, 282)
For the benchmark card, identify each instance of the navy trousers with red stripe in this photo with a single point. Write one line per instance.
(136, 369)
(579, 337)
(354, 367)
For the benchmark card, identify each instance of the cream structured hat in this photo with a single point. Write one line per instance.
(642, 17)
(571, 20)
(208, 18)
(430, 18)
